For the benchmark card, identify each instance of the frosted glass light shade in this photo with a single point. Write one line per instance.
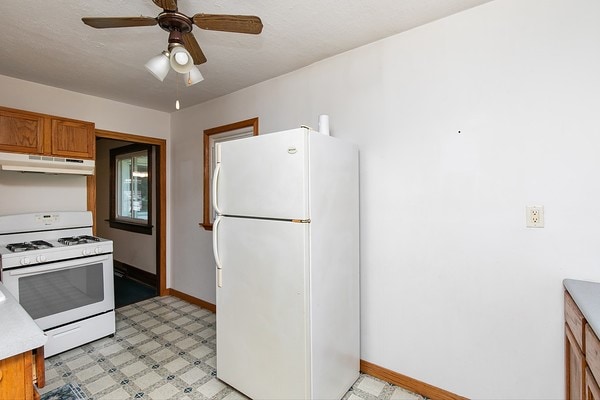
(193, 77)
(159, 65)
(181, 60)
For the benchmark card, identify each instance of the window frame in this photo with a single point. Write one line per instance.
(225, 132)
(124, 224)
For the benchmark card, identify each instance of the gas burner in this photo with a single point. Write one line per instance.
(26, 246)
(73, 240)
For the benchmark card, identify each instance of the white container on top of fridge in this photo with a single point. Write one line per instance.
(286, 242)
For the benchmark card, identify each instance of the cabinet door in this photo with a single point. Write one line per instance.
(16, 380)
(72, 138)
(575, 367)
(21, 132)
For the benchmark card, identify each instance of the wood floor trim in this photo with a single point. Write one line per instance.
(405, 382)
(192, 299)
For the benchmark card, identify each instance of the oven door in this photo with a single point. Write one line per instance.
(58, 293)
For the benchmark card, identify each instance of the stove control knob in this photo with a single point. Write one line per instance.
(97, 250)
(25, 261)
(87, 252)
(41, 259)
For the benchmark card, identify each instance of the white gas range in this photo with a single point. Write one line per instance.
(61, 275)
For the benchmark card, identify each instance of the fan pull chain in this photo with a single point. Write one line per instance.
(177, 94)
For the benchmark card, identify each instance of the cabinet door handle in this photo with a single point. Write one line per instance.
(0, 374)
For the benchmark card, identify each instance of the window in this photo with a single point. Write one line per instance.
(131, 188)
(237, 130)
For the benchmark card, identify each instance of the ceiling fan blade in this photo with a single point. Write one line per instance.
(169, 5)
(191, 44)
(118, 22)
(229, 23)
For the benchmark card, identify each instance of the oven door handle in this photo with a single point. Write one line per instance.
(62, 265)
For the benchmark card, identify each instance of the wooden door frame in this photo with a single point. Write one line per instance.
(161, 193)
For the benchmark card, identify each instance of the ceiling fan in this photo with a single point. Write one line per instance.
(184, 51)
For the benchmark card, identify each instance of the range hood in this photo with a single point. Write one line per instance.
(45, 164)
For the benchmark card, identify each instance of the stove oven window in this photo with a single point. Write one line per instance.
(131, 183)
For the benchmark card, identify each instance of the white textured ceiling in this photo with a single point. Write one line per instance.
(46, 42)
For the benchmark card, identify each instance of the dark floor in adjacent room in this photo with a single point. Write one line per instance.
(129, 291)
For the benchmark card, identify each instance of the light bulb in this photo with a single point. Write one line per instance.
(181, 58)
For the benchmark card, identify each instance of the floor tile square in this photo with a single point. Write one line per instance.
(162, 355)
(100, 384)
(192, 376)
(176, 365)
(89, 372)
(79, 362)
(371, 386)
(133, 369)
(121, 358)
(212, 387)
(147, 380)
(164, 392)
(119, 394)
(401, 394)
(200, 351)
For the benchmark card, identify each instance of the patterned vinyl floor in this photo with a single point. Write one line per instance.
(164, 348)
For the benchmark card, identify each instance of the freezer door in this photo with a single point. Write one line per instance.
(262, 320)
(264, 176)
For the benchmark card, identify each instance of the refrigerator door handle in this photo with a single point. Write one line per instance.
(215, 185)
(215, 242)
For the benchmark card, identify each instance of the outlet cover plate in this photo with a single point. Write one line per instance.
(534, 216)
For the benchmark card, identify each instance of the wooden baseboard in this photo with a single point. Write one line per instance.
(405, 382)
(192, 299)
(135, 273)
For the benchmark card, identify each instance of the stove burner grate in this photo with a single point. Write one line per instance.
(73, 240)
(26, 246)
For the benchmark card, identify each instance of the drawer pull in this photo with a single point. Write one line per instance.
(0, 374)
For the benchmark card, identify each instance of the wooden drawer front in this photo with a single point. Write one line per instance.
(575, 320)
(592, 351)
(592, 391)
(21, 132)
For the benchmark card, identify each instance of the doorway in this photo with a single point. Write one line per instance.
(147, 278)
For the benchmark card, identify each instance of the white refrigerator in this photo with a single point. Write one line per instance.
(286, 245)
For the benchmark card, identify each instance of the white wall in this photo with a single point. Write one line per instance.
(34, 192)
(455, 290)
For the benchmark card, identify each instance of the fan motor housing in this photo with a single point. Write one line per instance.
(173, 21)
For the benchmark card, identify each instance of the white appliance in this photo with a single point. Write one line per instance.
(46, 164)
(286, 245)
(60, 274)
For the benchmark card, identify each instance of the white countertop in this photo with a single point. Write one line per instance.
(587, 297)
(18, 332)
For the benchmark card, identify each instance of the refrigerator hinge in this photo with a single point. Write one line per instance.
(301, 221)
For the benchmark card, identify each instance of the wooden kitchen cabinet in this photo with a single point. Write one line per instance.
(16, 377)
(21, 132)
(33, 133)
(72, 138)
(582, 355)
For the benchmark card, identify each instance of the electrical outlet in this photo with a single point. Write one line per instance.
(535, 217)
